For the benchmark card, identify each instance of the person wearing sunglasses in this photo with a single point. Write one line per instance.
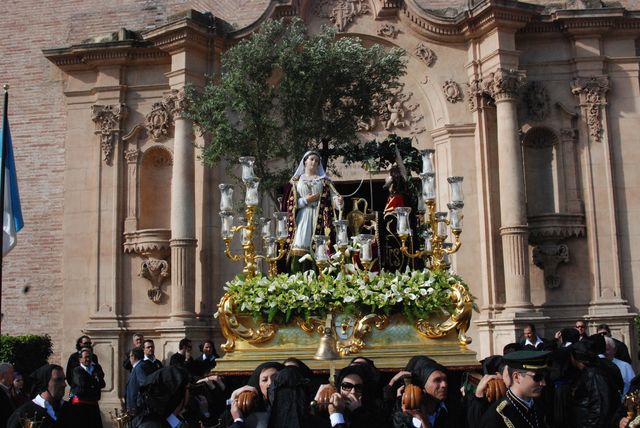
(354, 403)
(520, 406)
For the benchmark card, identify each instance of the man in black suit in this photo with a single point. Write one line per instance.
(137, 339)
(6, 404)
(136, 378)
(150, 363)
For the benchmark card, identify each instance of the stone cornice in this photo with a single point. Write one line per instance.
(555, 227)
(90, 56)
(585, 22)
(275, 10)
(468, 23)
(192, 29)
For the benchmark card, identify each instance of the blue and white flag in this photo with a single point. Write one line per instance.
(12, 215)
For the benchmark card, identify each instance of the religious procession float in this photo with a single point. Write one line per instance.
(336, 284)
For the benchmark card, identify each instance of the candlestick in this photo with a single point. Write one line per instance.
(226, 197)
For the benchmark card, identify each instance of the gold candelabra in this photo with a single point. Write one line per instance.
(436, 250)
(273, 246)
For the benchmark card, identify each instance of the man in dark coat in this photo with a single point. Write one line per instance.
(48, 408)
(150, 363)
(163, 397)
(74, 359)
(519, 407)
(7, 406)
(136, 379)
(88, 381)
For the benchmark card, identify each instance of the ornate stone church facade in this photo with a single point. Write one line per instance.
(536, 104)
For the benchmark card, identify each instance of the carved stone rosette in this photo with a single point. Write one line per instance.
(592, 92)
(504, 84)
(108, 119)
(452, 91)
(388, 30)
(459, 320)
(341, 12)
(426, 54)
(548, 257)
(233, 330)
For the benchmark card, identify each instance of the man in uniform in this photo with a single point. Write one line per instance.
(519, 407)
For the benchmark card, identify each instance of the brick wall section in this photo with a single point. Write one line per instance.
(37, 115)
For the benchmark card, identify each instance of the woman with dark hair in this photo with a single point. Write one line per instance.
(258, 383)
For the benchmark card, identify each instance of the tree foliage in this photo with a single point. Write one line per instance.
(282, 92)
(25, 353)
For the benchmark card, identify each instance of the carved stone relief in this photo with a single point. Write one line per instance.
(158, 123)
(592, 92)
(156, 271)
(504, 84)
(341, 12)
(452, 91)
(548, 257)
(425, 53)
(107, 119)
(388, 30)
(396, 112)
(536, 99)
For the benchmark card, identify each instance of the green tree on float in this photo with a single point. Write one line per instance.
(282, 92)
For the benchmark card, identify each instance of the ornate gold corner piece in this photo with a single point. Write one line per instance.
(232, 329)
(362, 327)
(459, 320)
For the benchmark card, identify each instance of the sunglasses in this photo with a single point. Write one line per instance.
(580, 326)
(348, 386)
(537, 377)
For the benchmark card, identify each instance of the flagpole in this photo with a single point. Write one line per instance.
(2, 178)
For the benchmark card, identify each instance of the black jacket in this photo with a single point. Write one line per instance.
(592, 404)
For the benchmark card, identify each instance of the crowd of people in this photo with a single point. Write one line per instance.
(572, 380)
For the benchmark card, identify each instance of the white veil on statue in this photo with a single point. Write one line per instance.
(300, 171)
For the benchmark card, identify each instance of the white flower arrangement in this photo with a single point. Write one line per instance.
(416, 293)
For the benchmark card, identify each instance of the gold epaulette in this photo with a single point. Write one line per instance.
(499, 408)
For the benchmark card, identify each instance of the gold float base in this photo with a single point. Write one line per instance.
(390, 348)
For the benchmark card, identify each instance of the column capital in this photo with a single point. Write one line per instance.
(504, 84)
(176, 102)
(591, 91)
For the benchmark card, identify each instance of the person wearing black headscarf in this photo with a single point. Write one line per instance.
(163, 396)
(259, 381)
(354, 404)
(47, 407)
(289, 398)
(433, 379)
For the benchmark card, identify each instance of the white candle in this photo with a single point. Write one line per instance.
(321, 252)
(226, 197)
(343, 239)
(365, 252)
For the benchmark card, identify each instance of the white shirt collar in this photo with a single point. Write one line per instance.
(538, 341)
(38, 400)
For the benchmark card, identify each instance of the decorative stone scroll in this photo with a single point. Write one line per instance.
(548, 257)
(504, 84)
(341, 12)
(388, 30)
(591, 91)
(107, 119)
(452, 91)
(426, 54)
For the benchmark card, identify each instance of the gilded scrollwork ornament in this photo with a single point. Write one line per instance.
(233, 330)
(459, 320)
(108, 120)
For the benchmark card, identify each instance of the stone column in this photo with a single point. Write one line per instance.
(503, 85)
(183, 241)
